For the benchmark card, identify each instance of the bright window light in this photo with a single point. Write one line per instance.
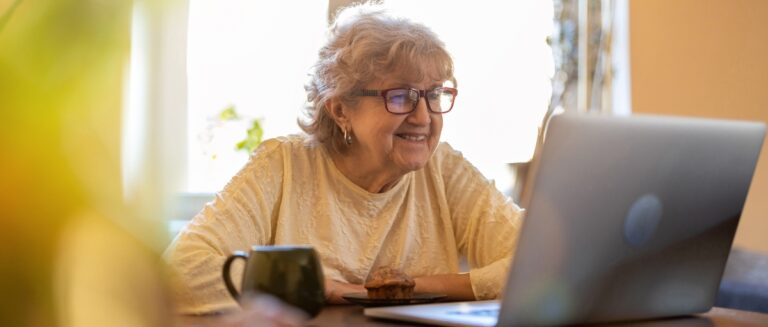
(253, 55)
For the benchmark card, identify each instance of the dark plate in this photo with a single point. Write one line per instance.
(417, 298)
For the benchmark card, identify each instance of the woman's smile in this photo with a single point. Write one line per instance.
(412, 137)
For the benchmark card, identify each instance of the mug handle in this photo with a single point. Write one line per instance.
(226, 275)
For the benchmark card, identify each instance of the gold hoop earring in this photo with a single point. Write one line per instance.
(347, 137)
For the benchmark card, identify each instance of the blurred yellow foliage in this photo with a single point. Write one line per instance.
(62, 66)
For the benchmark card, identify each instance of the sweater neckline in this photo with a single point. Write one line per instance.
(337, 174)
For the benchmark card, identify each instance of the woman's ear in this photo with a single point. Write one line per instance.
(337, 111)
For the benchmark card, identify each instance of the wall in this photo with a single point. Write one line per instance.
(706, 58)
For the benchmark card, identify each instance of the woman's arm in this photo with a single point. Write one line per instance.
(486, 224)
(335, 289)
(239, 217)
(458, 287)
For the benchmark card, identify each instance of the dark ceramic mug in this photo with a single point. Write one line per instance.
(291, 273)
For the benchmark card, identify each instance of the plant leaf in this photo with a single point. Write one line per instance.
(252, 138)
(228, 113)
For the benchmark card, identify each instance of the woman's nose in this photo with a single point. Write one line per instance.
(420, 115)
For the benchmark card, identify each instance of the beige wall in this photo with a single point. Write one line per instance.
(706, 58)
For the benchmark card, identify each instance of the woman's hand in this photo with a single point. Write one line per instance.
(335, 289)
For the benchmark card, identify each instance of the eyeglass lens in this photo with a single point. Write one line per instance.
(406, 100)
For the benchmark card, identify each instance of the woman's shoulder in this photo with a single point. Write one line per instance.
(445, 154)
(285, 144)
(451, 163)
(268, 160)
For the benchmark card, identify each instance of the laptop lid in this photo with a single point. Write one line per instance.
(629, 218)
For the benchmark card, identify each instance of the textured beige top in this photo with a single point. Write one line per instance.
(290, 192)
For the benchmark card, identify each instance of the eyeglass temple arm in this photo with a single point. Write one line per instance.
(368, 92)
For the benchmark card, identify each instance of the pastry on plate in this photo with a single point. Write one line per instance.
(389, 284)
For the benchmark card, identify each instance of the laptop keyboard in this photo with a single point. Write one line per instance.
(477, 313)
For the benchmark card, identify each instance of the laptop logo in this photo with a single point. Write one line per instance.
(642, 220)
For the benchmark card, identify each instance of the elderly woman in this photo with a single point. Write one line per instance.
(369, 186)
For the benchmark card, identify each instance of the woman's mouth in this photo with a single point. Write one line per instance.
(412, 137)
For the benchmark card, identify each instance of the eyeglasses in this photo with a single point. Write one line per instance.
(402, 101)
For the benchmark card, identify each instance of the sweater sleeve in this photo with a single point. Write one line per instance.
(241, 215)
(486, 224)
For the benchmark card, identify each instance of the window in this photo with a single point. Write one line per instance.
(254, 55)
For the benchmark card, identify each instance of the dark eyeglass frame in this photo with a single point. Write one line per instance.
(419, 94)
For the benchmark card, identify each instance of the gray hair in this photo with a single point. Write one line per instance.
(366, 43)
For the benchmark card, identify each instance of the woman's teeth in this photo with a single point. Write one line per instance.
(413, 137)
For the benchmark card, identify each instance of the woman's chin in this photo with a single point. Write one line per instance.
(411, 164)
(412, 157)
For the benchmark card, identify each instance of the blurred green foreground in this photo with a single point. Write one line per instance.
(71, 252)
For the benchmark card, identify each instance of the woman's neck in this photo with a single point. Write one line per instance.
(364, 174)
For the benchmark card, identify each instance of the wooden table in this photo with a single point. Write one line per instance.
(351, 315)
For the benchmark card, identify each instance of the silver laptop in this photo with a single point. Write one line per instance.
(629, 218)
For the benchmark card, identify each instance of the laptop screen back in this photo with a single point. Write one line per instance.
(629, 218)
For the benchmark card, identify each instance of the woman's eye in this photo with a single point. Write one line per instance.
(399, 98)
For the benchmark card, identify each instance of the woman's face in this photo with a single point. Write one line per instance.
(403, 142)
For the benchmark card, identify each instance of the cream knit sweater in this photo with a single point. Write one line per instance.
(290, 192)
